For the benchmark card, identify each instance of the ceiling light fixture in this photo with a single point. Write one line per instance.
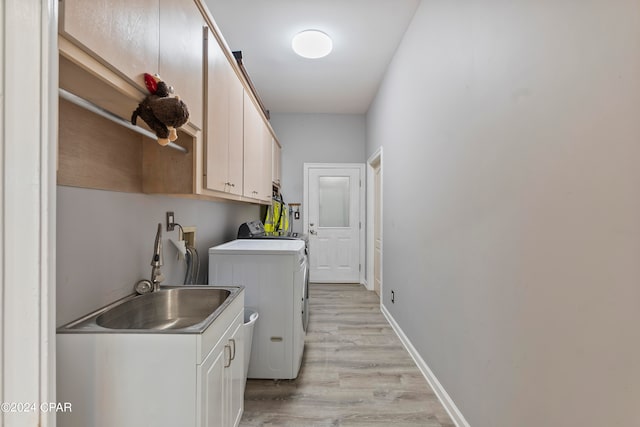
(312, 44)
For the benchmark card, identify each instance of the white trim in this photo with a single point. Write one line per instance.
(2, 238)
(444, 398)
(48, 201)
(376, 158)
(28, 116)
(305, 203)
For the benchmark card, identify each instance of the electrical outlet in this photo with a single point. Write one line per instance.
(393, 297)
(170, 221)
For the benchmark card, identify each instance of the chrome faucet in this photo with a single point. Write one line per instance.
(157, 261)
(145, 286)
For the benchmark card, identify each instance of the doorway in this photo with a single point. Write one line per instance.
(333, 218)
(374, 221)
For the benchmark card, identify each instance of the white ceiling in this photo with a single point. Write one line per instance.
(365, 36)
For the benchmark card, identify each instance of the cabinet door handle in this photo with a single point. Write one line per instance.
(227, 347)
(233, 351)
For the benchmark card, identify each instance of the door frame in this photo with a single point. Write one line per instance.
(28, 124)
(375, 161)
(362, 210)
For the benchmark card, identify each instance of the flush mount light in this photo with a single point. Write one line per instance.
(312, 44)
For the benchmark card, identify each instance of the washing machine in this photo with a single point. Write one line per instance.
(255, 230)
(275, 276)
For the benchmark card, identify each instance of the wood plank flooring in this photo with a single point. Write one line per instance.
(355, 372)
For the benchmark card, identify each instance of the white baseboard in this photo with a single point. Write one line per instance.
(441, 393)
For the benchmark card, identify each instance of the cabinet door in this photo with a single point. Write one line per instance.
(221, 377)
(224, 127)
(181, 53)
(276, 154)
(266, 174)
(236, 132)
(123, 34)
(216, 164)
(211, 374)
(253, 151)
(235, 375)
(257, 153)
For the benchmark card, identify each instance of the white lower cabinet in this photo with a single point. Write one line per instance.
(154, 379)
(220, 376)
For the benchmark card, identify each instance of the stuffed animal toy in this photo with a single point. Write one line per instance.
(161, 111)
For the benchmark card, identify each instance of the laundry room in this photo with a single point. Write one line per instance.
(429, 219)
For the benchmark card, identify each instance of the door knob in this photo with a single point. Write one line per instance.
(313, 232)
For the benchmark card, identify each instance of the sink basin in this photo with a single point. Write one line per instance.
(166, 309)
(172, 309)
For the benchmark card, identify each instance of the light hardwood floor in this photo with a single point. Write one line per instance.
(355, 372)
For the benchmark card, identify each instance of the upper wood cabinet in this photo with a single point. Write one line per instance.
(252, 149)
(266, 186)
(181, 53)
(105, 48)
(257, 153)
(133, 37)
(224, 122)
(122, 34)
(276, 162)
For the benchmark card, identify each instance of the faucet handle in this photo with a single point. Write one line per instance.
(143, 287)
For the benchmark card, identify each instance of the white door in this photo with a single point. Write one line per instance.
(333, 220)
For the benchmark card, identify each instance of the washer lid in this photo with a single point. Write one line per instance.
(259, 246)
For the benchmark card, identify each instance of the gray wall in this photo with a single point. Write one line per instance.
(511, 135)
(105, 242)
(316, 138)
